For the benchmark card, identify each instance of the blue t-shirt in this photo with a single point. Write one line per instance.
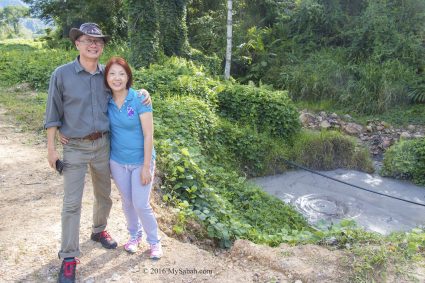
(127, 141)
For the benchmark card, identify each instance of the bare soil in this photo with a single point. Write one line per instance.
(30, 229)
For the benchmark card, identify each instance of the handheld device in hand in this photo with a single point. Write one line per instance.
(59, 166)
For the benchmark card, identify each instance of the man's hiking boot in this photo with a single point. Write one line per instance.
(67, 272)
(105, 239)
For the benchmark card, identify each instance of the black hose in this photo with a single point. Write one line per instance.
(352, 185)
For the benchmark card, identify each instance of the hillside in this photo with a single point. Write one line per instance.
(30, 198)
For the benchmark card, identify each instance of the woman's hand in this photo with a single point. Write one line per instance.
(145, 175)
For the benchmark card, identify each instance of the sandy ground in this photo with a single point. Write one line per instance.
(30, 205)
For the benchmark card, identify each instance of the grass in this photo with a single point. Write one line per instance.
(402, 115)
(26, 106)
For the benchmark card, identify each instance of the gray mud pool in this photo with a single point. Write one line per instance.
(321, 199)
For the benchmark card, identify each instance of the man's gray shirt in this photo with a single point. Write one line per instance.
(78, 101)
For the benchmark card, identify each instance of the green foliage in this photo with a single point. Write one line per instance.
(109, 14)
(28, 109)
(23, 63)
(177, 77)
(321, 76)
(10, 17)
(143, 32)
(186, 119)
(327, 150)
(416, 93)
(369, 87)
(264, 110)
(156, 27)
(228, 209)
(406, 160)
(210, 63)
(366, 56)
(206, 30)
(255, 154)
(378, 87)
(27, 61)
(173, 29)
(399, 116)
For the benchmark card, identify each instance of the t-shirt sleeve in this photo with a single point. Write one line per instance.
(141, 108)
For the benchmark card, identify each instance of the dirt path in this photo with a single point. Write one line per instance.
(30, 205)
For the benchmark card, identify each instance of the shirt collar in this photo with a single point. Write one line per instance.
(129, 97)
(78, 68)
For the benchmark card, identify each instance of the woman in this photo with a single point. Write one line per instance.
(132, 158)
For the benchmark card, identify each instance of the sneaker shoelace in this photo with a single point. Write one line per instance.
(133, 241)
(105, 235)
(155, 248)
(69, 267)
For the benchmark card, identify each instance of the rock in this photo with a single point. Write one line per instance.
(369, 128)
(405, 135)
(385, 124)
(334, 115)
(306, 118)
(353, 128)
(418, 136)
(386, 143)
(115, 277)
(380, 128)
(347, 117)
(411, 128)
(298, 281)
(325, 125)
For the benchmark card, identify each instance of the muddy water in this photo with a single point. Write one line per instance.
(322, 200)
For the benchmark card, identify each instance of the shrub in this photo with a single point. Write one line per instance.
(378, 86)
(406, 160)
(177, 77)
(329, 150)
(211, 63)
(264, 110)
(187, 119)
(253, 153)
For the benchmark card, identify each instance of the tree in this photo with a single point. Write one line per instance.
(10, 17)
(156, 27)
(173, 29)
(229, 40)
(143, 32)
(66, 14)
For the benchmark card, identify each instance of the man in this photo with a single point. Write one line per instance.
(77, 107)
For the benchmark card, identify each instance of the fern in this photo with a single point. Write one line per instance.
(417, 93)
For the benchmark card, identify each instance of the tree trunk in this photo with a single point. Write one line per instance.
(143, 32)
(229, 40)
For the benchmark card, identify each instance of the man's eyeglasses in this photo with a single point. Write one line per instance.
(89, 42)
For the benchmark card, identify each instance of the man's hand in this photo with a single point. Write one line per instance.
(52, 153)
(145, 93)
(52, 156)
(63, 140)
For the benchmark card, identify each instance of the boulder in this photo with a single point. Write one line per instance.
(353, 128)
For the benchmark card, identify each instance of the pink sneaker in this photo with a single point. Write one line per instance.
(156, 251)
(132, 245)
